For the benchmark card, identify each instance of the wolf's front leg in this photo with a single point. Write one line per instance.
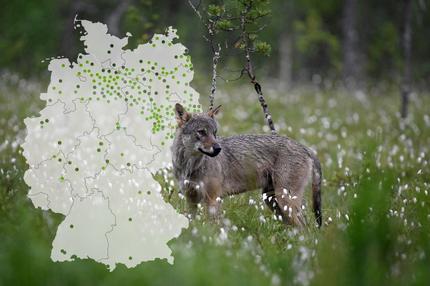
(214, 211)
(193, 199)
(214, 192)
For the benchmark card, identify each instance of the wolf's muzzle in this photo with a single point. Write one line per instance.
(216, 149)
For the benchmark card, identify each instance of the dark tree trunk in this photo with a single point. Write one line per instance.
(286, 46)
(173, 8)
(285, 60)
(70, 10)
(407, 50)
(350, 43)
(114, 19)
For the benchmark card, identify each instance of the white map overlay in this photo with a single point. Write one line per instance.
(107, 127)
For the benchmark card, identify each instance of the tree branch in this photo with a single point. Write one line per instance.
(216, 52)
(250, 70)
(215, 59)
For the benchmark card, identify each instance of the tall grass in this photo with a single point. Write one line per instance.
(375, 201)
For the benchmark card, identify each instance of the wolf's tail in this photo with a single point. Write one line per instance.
(316, 189)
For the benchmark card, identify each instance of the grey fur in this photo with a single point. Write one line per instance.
(278, 165)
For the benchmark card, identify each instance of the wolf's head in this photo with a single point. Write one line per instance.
(198, 131)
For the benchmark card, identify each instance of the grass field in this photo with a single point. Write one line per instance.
(376, 201)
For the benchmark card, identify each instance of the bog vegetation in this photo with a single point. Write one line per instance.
(376, 201)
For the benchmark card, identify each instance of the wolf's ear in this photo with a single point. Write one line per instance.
(214, 111)
(182, 115)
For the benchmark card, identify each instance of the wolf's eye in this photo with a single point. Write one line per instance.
(201, 132)
(215, 133)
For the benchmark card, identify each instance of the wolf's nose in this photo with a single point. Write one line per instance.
(216, 149)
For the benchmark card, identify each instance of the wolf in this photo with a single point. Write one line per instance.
(208, 167)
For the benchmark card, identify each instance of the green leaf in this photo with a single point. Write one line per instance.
(263, 48)
(224, 25)
(215, 10)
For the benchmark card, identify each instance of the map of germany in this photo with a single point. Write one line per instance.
(107, 127)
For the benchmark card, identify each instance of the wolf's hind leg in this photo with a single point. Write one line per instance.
(289, 189)
(270, 198)
(290, 208)
(290, 181)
